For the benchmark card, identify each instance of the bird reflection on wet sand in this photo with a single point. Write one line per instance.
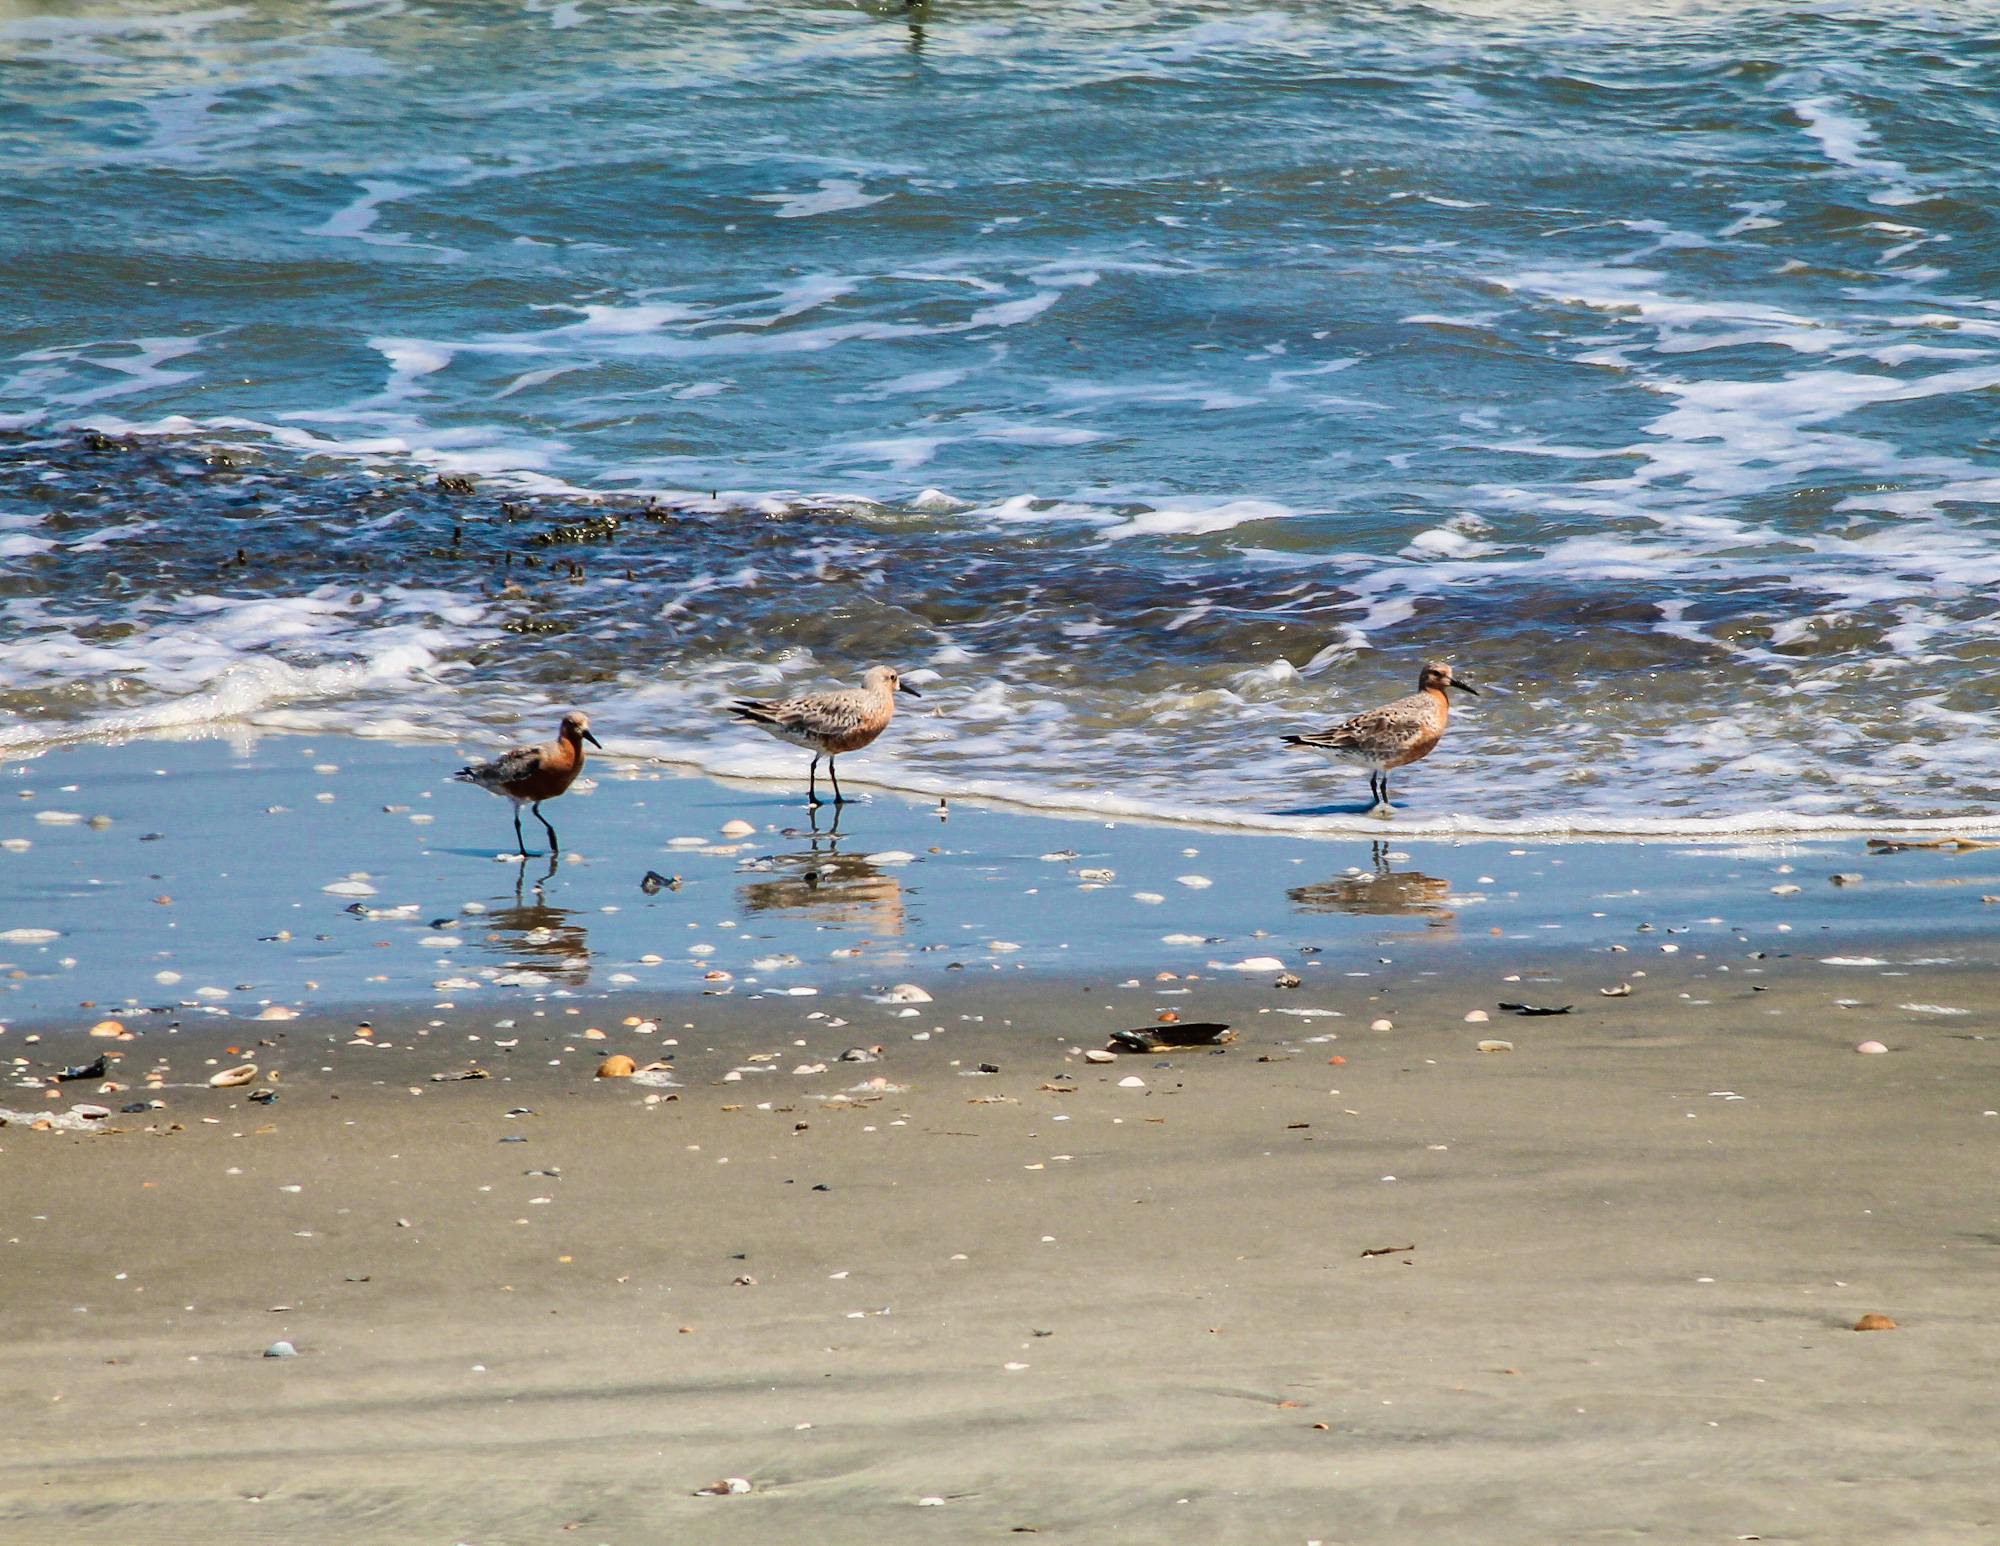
(1380, 892)
(536, 935)
(826, 884)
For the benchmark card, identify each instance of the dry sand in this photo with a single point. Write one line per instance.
(1620, 1306)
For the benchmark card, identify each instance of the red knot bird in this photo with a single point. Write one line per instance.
(1394, 735)
(528, 775)
(829, 724)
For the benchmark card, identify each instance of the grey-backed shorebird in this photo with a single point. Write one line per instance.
(829, 724)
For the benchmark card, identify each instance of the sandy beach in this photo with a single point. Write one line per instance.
(1325, 1282)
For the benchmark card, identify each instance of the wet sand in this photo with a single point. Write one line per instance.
(1626, 1258)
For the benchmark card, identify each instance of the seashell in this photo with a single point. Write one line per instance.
(729, 1486)
(738, 828)
(89, 1112)
(905, 993)
(1131, 1082)
(230, 1078)
(1871, 1046)
(617, 1066)
(1874, 1322)
(111, 1029)
(1475, 1017)
(1623, 990)
(277, 1012)
(1099, 1055)
(1381, 1025)
(1495, 1046)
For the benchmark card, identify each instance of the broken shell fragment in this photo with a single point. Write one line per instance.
(230, 1078)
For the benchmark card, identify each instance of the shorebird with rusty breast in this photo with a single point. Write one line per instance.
(829, 724)
(528, 775)
(1394, 735)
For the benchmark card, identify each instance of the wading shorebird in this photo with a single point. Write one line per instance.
(829, 724)
(1394, 735)
(528, 775)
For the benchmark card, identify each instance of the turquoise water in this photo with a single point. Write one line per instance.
(1161, 377)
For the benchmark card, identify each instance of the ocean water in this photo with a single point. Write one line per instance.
(1146, 379)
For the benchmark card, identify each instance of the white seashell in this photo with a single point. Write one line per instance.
(1495, 1046)
(1131, 1082)
(1871, 1046)
(1476, 1017)
(349, 888)
(28, 936)
(738, 828)
(1381, 1025)
(1100, 1055)
(230, 1078)
(277, 1012)
(905, 993)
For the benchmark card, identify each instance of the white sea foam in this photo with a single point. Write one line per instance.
(832, 194)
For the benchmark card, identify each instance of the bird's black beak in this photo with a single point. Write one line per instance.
(906, 687)
(593, 740)
(1465, 687)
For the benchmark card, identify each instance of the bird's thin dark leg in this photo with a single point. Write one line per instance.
(812, 783)
(555, 847)
(838, 797)
(1385, 791)
(520, 842)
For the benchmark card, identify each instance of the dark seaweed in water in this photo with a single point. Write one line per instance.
(1121, 666)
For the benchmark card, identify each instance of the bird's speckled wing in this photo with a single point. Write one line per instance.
(1393, 724)
(822, 716)
(508, 768)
